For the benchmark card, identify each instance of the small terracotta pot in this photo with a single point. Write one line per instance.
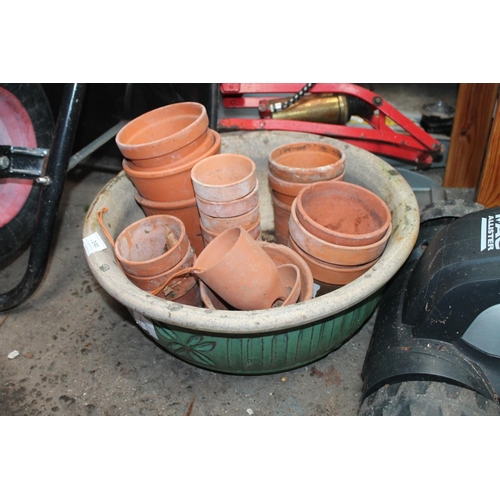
(191, 297)
(162, 131)
(281, 254)
(329, 252)
(306, 162)
(168, 184)
(219, 224)
(185, 210)
(286, 191)
(343, 213)
(193, 151)
(235, 267)
(281, 213)
(177, 287)
(330, 273)
(290, 277)
(208, 236)
(230, 208)
(225, 177)
(152, 245)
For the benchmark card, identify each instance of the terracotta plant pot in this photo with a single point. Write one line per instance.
(168, 184)
(175, 289)
(329, 252)
(217, 225)
(162, 131)
(230, 208)
(236, 267)
(306, 162)
(208, 236)
(281, 212)
(226, 177)
(290, 277)
(330, 273)
(185, 210)
(286, 191)
(185, 155)
(152, 245)
(281, 254)
(343, 213)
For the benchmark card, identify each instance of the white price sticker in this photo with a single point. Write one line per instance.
(93, 243)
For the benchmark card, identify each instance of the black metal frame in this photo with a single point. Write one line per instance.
(52, 185)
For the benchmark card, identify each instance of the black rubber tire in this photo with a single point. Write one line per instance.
(19, 231)
(427, 398)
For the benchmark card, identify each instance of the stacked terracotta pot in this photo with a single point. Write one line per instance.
(160, 148)
(227, 195)
(153, 249)
(340, 229)
(240, 273)
(294, 166)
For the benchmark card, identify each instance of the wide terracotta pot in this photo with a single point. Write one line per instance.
(219, 224)
(281, 212)
(286, 191)
(152, 245)
(193, 151)
(230, 208)
(329, 252)
(343, 213)
(254, 231)
(162, 131)
(168, 184)
(306, 162)
(330, 273)
(225, 177)
(185, 210)
(235, 267)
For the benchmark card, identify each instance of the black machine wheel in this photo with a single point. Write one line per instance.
(25, 120)
(427, 398)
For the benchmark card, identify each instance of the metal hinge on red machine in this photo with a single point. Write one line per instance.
(326, 109)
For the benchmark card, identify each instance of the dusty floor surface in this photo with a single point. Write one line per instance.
(81, 353)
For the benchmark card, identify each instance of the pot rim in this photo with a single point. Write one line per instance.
(288, 188)
(335, 168)
(168, 143)
(167, 171)
(354, 239)
(182, 241)
(363, 167)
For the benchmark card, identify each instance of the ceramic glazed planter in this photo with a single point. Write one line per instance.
(162, 131)
(281, 212)
(217, 225)
(230, 208)
(152, 245)
(331, 273)
(306, 162)
(331, 253)
(185, 210)
(343, 213)
(235, 267)
(286, 191)
(168, 184)
(225, 177)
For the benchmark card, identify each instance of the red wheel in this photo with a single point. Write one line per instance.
(25, 120)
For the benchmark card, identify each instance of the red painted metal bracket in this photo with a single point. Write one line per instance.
(413, 144)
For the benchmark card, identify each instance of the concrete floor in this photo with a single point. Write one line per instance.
(81, 353)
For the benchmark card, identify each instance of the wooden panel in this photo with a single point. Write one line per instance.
(469, 137)
(488, 192)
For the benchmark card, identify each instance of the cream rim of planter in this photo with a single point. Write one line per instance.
(362, 168)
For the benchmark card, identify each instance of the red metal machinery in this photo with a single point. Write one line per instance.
(324, 109)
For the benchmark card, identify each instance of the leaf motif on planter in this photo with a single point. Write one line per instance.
(192, 348)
